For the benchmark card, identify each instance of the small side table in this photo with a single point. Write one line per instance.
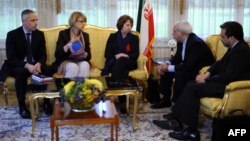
(127, 93)
(127, 87)
(34, 108)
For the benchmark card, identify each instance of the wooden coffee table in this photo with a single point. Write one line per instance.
(104, 113)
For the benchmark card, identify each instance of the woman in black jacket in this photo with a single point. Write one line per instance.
(122, 51)
(72, 48)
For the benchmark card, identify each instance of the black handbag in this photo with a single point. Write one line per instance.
(232, 127)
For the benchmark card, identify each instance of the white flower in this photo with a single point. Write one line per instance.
(172, 43)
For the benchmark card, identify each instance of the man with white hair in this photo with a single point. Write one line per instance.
(192, 54)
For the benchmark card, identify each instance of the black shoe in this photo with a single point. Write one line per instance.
(185, 134)
(168, 116)
(162, 104)
(47, 109)
(167, 124)
(24, 113)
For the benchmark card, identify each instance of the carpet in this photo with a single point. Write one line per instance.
(14, 128)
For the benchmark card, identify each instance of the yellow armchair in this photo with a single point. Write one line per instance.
(237, 94)
(98, 37)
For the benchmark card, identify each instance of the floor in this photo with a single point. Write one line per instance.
(205, 128)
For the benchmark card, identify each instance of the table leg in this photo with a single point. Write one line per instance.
(116, 127)
(112, 131)
(52, 125)
(36, 107)
(127, 104)
(31, 100)
(57, 134)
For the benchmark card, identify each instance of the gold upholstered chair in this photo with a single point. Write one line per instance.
(237, 94)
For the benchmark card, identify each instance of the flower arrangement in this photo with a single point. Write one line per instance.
(81, 95)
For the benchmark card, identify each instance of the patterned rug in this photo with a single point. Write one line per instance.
(14, 128)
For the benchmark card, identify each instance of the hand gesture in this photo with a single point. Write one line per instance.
(202, 77)
(162, 68)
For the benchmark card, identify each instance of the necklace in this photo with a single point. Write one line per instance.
(75, 33)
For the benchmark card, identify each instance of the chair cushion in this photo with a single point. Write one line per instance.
(51, 35)
(95, 72)
(10, 81)
(138, 74)
(98, 38)
(209, 105)
(216, 46)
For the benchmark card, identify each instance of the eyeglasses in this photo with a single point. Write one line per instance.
(81, 21)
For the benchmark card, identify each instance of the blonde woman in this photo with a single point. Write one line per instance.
(72, 49)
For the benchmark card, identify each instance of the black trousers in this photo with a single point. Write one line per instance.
(121, 68)
(186, 108)
(181, 79)
(120, 71)
(21, 75)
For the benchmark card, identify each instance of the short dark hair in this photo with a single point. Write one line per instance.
(123, 19)
(233, 28)
(26, 12)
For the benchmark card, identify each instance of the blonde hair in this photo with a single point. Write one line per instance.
(74, 17)
(184, 27)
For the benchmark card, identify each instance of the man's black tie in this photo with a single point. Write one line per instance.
(29, 55)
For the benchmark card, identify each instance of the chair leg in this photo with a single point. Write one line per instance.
(143, 86)
(3, 86)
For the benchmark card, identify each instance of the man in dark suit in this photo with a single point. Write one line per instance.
(26, 55)
(192, 54)
(233, 66)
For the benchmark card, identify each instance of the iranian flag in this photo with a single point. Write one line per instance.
(147, 31)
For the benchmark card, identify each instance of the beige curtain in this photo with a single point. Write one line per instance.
(10, 14)
(207, 16)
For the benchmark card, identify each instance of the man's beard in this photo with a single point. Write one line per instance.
(226, 45)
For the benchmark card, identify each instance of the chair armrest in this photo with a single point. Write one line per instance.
(237, 96)
(141, 72)
(204, 69)
(141, 62)
(244, 84)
